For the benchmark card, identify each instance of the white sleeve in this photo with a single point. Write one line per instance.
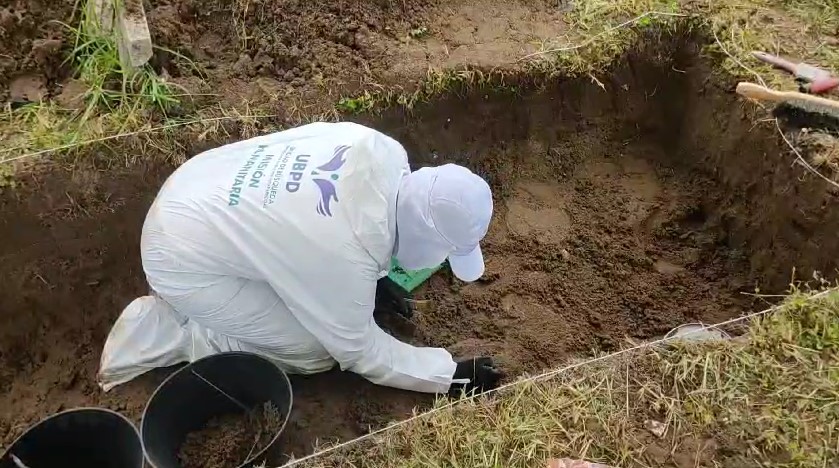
(341, 318)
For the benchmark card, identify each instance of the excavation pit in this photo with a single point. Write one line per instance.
(621, 211)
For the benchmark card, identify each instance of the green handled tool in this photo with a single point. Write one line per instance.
(410, 280)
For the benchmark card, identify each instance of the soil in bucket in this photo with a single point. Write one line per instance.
(231, 439)
(225, 410)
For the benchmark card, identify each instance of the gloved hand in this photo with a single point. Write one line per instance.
(391, 298)
(482, 375)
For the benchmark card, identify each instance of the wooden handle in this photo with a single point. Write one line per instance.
(755, 91)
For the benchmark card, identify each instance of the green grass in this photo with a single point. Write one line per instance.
(109, 85)
(770, 398)
(115, 99)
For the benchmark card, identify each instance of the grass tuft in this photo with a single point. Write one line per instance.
(110, 86)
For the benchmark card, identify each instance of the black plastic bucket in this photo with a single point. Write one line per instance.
(207, 388)
(89, 437)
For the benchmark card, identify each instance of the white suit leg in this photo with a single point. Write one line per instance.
(186, 324)
(251, 317)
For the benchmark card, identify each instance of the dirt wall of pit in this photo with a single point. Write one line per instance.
(70, 258)
(767, 206)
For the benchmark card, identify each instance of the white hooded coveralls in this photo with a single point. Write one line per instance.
(274, 245)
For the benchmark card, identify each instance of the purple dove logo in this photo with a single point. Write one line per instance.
(328, 193)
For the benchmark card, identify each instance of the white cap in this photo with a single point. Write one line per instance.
(444, 212)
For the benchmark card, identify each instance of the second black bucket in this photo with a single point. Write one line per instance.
(207, 388)
(88, 437)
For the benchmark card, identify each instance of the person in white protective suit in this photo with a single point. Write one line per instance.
(276, 245)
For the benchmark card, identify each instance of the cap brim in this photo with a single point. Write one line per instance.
(468, 267)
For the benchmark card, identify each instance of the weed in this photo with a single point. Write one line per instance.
(110, 85)
(240, 16)
(419, 33)
(7, 179)
(356, 105)
(436, 83)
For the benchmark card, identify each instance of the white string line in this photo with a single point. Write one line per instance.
(542, 376)
(800, 159)
(735, 59)
(127, 134)
(602, 33)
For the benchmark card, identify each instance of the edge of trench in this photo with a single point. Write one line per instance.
(86, 193)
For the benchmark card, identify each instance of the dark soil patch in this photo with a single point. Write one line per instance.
(236, 49)
(288, 58)
(252, 48)
(32, 47)
(231, 440)
(620, 214)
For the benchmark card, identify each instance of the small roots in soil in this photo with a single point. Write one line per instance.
(232, 439)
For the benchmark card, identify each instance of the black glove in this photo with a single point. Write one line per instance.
(391, 298)
(482, 375)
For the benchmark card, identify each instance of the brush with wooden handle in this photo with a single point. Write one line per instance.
(827, 107)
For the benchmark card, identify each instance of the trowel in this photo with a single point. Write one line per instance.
(410, 280)
(421, 306)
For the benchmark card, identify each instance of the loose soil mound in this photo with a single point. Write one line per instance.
(230, 440)
(240, 49)
(291, 41)
(620, 213)
(272, 52)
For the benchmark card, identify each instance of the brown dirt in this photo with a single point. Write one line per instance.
(252, 49)
(230, 440)
(597, 238)
(32, 44)
(292, 54)
(288, 52)
(621, 213)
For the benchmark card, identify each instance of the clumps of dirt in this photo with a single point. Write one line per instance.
(619, 247)
(32, 41)
(231, 440)
(295, 43)
(220, 46)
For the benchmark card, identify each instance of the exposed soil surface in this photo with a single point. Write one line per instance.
(32, 43)
(230, 440)
(259, 48)
(285, 52)
(620, 214)
(614, 248)
(266, 49)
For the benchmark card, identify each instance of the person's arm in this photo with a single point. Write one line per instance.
(335, 303)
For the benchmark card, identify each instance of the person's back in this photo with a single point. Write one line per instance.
(315, 195)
